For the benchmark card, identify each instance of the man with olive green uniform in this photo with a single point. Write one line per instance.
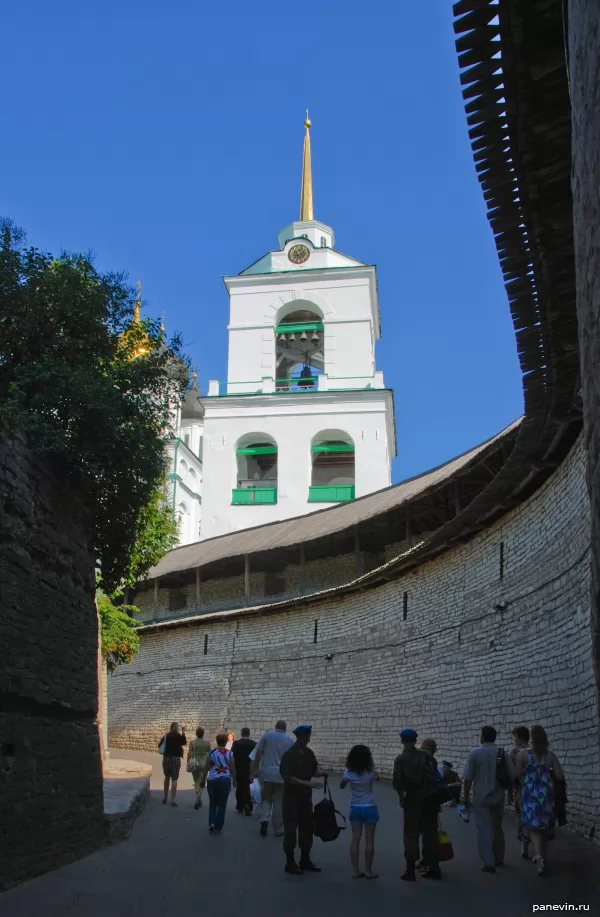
(299, 769)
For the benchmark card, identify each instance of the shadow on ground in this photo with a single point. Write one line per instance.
(172, 865)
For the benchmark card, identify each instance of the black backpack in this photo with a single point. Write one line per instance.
(325, 816)
(502, 775)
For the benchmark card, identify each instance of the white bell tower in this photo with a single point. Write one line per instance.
(304, 419)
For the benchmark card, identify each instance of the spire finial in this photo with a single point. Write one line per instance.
(306, 196)
(138, 302)
(162, 322)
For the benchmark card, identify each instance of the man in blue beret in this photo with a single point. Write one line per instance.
(410, 780)
(299, 770)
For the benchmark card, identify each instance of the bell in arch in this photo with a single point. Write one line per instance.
(306, 378)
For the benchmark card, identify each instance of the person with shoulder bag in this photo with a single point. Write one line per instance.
(171, 748)
(489, 772)
(196, 760)
(539, 770)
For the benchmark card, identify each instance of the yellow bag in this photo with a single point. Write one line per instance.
(445, 845)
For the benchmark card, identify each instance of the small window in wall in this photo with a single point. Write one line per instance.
(332, 468)
(323, 241)
(186, 439)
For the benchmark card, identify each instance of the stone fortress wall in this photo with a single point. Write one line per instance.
(435, 649)
(51, 802)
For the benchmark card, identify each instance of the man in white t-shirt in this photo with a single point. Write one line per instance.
(268, 754)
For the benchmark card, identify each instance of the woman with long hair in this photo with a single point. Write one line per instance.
(536, 767)
(174, 740)
(359, 774)
(197, 753)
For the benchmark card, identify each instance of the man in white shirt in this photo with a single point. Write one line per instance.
(269, 751)
(481, 772)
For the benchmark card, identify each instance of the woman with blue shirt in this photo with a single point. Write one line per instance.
(359, 774)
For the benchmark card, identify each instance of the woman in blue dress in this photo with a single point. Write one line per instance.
(536, 767)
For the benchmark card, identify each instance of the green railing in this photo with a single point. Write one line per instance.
(330, 493)
(289, 385)
(250, 495)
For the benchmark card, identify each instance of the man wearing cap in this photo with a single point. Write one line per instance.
(299, 769)
(410, 777)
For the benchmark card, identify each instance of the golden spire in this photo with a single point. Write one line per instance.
(306, 197)
(138, 303)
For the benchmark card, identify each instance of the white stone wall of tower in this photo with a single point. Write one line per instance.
(293, 422)
(184, 487)
(343, 298)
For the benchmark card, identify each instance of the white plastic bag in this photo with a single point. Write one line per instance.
(255, 793)
(162, 746)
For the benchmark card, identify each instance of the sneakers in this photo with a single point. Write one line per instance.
(211, 828)
(409, 873)
(293, 868)
(489, 869)
(540, 866)
(432, 872)
(264, 827)
(309, 866)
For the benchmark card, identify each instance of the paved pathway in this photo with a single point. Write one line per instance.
(171, 865)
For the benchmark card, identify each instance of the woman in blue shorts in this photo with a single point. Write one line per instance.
(359, 774)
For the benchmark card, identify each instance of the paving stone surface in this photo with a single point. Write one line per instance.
(172, 865)
(124, 781)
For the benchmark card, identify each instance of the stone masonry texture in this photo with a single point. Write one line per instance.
(459, 660)
(584, 73)
(51, 806)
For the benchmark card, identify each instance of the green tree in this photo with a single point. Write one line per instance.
(155, 534)
(119, 640)
(94, 388)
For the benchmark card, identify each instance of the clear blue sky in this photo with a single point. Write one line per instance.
(167, 139)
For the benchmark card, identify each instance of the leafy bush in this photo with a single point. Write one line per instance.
(117, 626)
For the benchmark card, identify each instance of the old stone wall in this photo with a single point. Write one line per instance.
(584, 77)
(464, 640)
(51, 806)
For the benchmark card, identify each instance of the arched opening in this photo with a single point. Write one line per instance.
(299, 348)
(183, 518)
(256, 461)
(332, 479)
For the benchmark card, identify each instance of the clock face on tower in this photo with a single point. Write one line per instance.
(298, 254)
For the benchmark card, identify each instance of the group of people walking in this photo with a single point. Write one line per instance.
(530, 776)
